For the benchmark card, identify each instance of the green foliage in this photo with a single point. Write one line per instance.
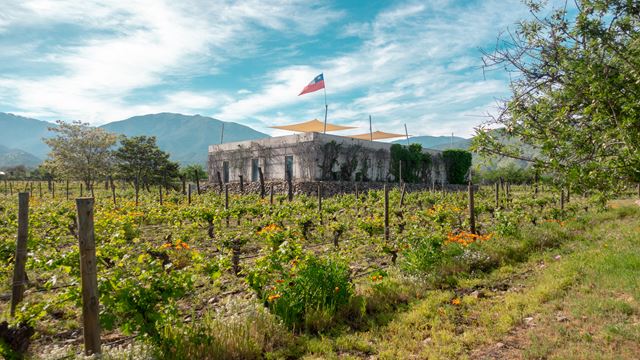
(575, 86)
(415, 163)
(190, 171)
(457, 163)
(139, 157)
(79, 151)
(511, 173)
(310, 292)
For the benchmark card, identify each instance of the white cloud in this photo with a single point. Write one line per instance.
(418, 63)
(153, 40)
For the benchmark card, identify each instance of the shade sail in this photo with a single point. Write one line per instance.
(314, 125)
(376, 135)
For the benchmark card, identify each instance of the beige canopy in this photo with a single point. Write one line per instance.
(314, 125)
(376, 135)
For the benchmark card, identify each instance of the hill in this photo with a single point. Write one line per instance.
(14, 157)
(185, 137)
(26, 134)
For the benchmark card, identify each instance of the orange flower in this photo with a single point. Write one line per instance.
(166, 245)
(273, 297)
(279, 281)
(455, 301)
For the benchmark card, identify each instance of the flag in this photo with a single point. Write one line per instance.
(316, 84)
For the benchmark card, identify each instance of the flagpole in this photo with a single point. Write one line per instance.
(370, 129)
(406, 133)
(326, 107)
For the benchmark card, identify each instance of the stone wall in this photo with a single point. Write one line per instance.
(329, 188)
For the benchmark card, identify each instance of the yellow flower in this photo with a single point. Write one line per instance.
(273, 297)
(455, 301)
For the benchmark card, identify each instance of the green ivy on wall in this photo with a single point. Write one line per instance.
(457, 163)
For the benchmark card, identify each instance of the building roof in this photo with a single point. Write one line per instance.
(314, 125)
(376, 135)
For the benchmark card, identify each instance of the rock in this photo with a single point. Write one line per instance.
(478, 294)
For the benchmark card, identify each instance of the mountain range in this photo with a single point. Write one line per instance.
(185, 137)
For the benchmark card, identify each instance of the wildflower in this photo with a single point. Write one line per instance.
(455, 301)
(279, 281)
(274, 297)
(166, 245)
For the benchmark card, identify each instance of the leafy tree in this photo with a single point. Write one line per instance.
(189, 171)
(139, 157)
(457, 163)
(575, 90)
(80, 151)
(415, 163)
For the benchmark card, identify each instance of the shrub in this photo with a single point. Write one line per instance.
(308, 295)
(457, 163)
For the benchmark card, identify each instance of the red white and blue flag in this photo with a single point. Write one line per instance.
(316, 84)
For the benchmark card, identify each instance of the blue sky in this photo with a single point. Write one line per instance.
(413, 62)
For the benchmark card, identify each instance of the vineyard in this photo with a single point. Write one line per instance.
(267, 270)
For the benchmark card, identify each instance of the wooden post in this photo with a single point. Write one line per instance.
(561, 199)
(189, 195)
(6, 189)
(21, 251)
(113, 194)
(81, 189)
(93, 195)
(219, 180)
(226, 201)
(289, 187)
(320, 201)
(400, 171)
(160, 192)
(507, 196)
(67, 189)
(404, 190)
(90, 305)
(261, 175)
(40, 188)
(184, 186)
(271, 195)
(386, 212)
(568, 193)
(241, 184)
(137, 189)
(472, 215)
(197, 181)
(497, 195)
(357, 200)
(11, 188)
(53, 190)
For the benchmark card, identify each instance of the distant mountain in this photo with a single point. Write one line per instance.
(433, 142)
(17, 132)
(185, 137)
(14, 157)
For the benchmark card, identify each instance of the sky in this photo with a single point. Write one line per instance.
(417, 63)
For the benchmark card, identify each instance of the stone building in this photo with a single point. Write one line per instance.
(310, 156)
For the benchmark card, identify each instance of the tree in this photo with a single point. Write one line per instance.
(575, 89)
(415, 163)
(139, 157)
(189, 172)
(457, 163)
(80, 151)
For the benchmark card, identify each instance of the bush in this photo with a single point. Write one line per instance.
(457, 163)
(246, 337)
(310, 293)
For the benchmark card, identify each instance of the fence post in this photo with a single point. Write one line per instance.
(226, 201)
(386, 213)
(53, 190)
(160, 192)
(137, 188)
(568, 193)
(261, 175)
(67, 189)
(497, 195)
(21, 251)
(90, 305)
(561, 199)
(184, 185)
(404, 190)
(113, 194)
(320, 201)
(11, 188)
(80, 189)
(271, 195)
(241, 184)
(195, 171)
(219, 180)
(40, 188)
(189, 195)
(289, 187)
(472, 214)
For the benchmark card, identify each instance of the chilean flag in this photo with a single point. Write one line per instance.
(316, 84)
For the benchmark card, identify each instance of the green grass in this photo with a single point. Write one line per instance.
(578, 300)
